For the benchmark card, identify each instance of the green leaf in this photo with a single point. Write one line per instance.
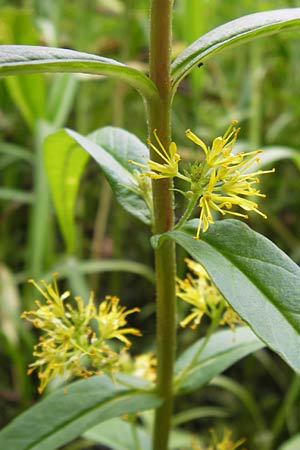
(10, 306)
(123, 439)
(61, 98)
(259, 281)
(65, 415)
(15, 152)
(18, 26)
(64, 161)
(243, 394)
(31, 102)
(71, 265)
(17, 59)
(291, 444)
(223, 349)
(15, 195)
(66, 153)
(202, 412)
(271, 154)
(233, 33)
(274, 153)
(111, 148)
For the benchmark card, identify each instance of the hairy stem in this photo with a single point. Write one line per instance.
(163, 207)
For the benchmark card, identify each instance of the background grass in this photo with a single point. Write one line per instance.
(258, 84)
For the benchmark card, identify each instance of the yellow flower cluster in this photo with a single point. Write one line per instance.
(142, 366)
(168, 168)
(227, 182)
(75, 340)
(224, 444)
(218, 183)
(205, 298)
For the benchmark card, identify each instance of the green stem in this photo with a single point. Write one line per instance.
(163, 208)
(188, 211)
(212, 327)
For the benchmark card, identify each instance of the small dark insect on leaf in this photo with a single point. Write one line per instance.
(200, 65)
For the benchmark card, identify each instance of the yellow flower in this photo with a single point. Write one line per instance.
(111, 317)
(223, 179)
(70, 346)
(167, 169)
(225, 444)
(142, 366)
(193, 291)
(221, 150)
(204, 297)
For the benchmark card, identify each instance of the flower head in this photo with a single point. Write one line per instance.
(71, 344)
(111, 318)
(168, 168)
(226, 443)
(221, 150)
(216, 444)
(224, 181)
(142, 366)
(205, 298)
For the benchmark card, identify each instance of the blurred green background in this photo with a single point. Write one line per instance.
(258, 84)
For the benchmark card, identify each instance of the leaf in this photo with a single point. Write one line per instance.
(15, 151)
(64, 161)
(271, 154)
(111, 148)
(65, 415)
(31, 102)
(202, 412)
(231, 34)
(66, 153)
(61, 98)
(292, 444)
(274, 153)
(16, 195)
(223, 349)
(71, 265)
(10, 305)
(259, 281)
(123, 439)
(17, 59)
(241, 392)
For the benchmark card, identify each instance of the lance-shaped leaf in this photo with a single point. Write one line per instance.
(65, 415)
(127, 439)
(16, 59)
(66, 153)
(233, 33)
(112, 148)
(64, 162)
(199, 363)
(259, 281)
(271, 154)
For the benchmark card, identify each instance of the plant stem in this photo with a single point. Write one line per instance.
(188, 211)
(163, 207)
(212, 327)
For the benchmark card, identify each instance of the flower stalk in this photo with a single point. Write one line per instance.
(163, 208)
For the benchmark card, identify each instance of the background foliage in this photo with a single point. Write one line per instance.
(257, 84)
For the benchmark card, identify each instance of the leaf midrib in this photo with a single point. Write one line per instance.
(259, 285)
(123, 394)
